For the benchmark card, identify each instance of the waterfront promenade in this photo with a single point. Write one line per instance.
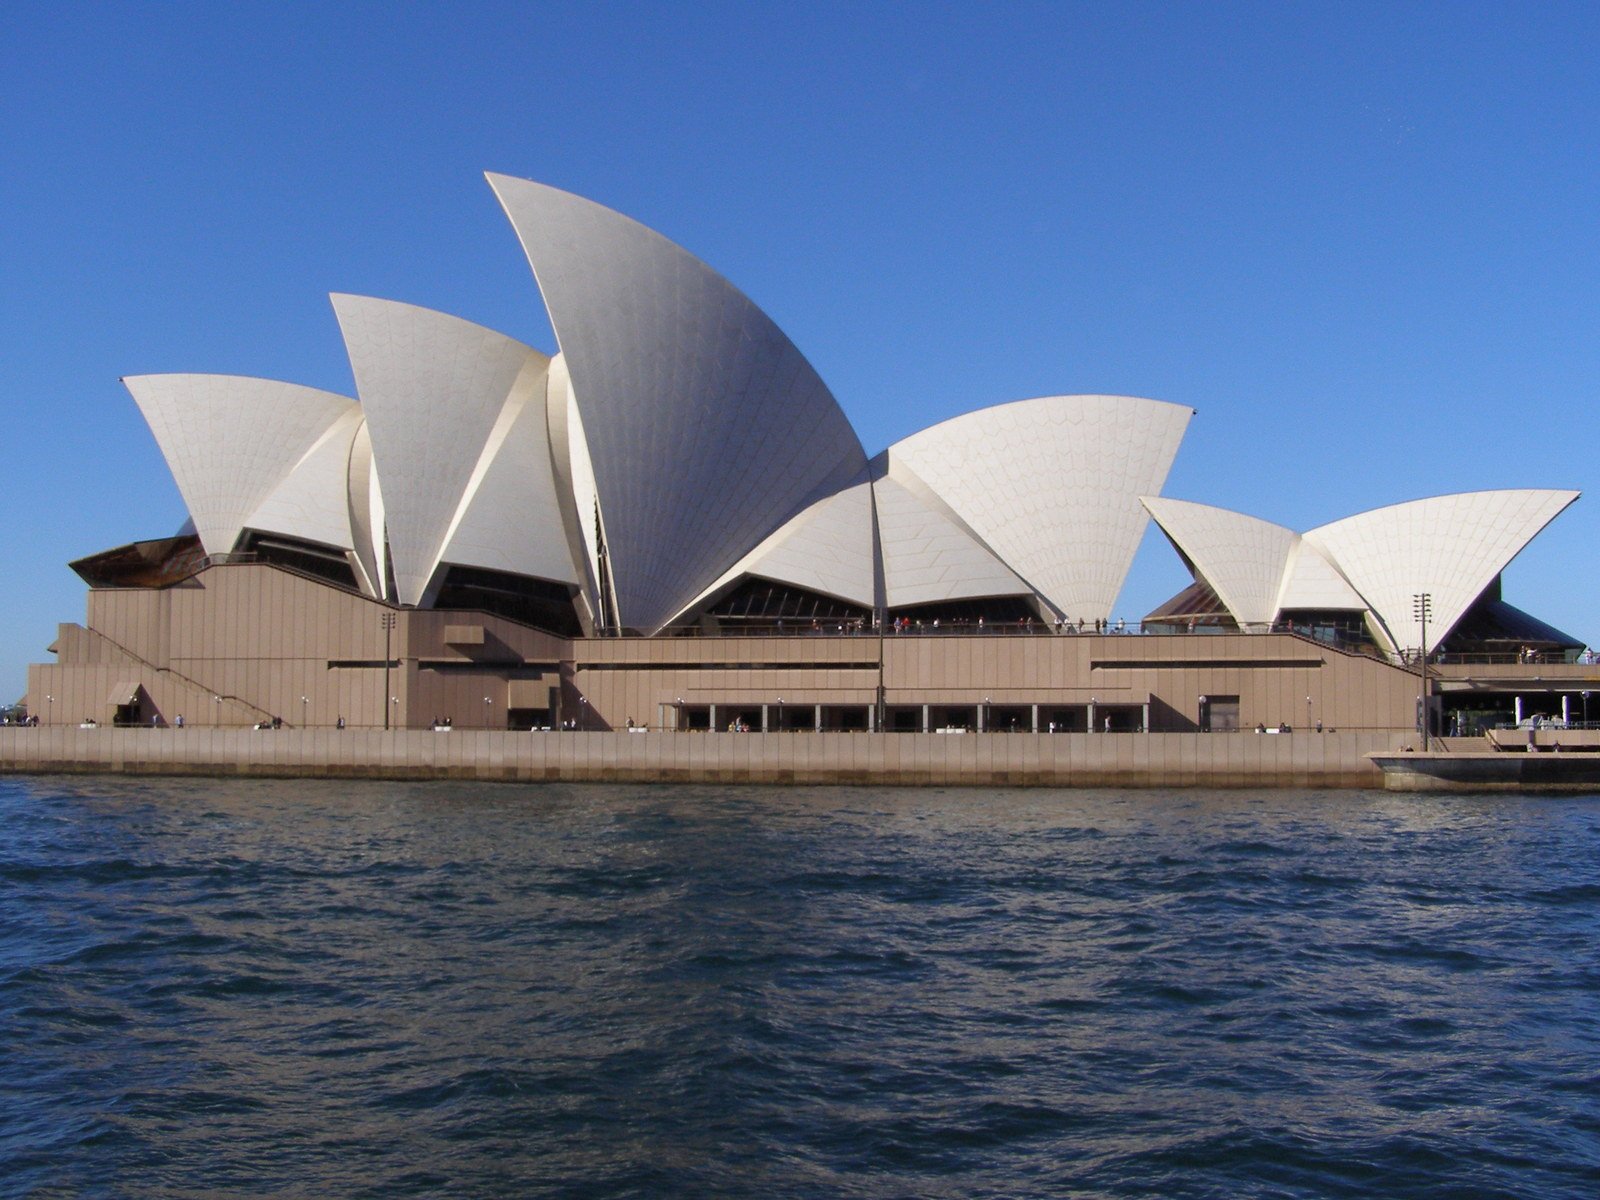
(1300, 759)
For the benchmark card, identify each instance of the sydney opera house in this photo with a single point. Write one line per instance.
(671, 524)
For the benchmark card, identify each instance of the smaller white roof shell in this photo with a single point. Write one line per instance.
(1242, 558)
(1311, 582)
(510, 517)
(230, 441)
(433, 388)
(314, 501)
(1052, 486)
(928, 556)
(1450, 547)
(826, 549)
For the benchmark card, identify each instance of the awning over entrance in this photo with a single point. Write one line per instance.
(124, 693)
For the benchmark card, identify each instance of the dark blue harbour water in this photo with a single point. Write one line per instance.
(269, 988)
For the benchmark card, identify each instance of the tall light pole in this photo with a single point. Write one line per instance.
(1422, 609)
(50, 711)
(387, 620)
(488, 712)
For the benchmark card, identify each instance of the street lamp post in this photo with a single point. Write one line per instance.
(1422, 609)
(50, 710)
(387, 620)
(304, 701)
(488, 712)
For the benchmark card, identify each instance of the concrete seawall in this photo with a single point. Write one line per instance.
(1239, 760)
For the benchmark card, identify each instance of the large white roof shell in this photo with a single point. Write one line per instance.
(1451, 547)
(707, 429)
(1052, 486)
(433, 388)
(1242, 558)
(230, 440)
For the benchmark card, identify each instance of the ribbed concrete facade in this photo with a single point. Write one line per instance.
(237, 644)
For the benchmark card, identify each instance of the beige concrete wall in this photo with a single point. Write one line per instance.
(261, 638)
(1061, 760)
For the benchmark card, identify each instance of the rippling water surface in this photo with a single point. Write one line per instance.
(271, 988)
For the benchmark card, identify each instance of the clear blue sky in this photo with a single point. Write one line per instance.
(1363, 241)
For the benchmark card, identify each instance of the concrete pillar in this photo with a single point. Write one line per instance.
(1144, 726)
(983, 714)
(872, 719)
(1518, 700)
(1093, 725)
(1566, 708)
(1035, 711)
(818, 725)
(924, 718)
(711, 720)
(765, 727)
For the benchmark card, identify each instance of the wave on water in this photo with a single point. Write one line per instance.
(292, 988)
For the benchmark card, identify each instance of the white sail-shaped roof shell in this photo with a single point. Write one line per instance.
(574, 476)
(1242, 558)
(510, 519)
(1450, 547)
(230, 441)
(928, 557)
(1312, 583)
(433, 388)
(707, 429)
(1052, 486)
(313, 502)
(826, 549)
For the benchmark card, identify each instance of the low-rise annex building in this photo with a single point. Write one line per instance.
(671, 524)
